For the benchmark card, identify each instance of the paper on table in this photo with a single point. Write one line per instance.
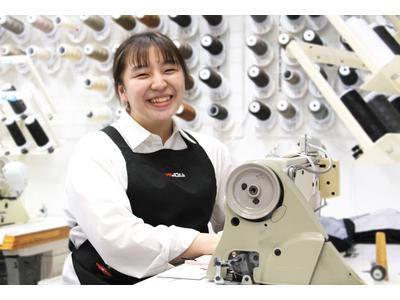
(202, 262)
(185, 271)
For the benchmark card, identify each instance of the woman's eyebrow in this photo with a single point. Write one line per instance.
(168, 63)
(138, 67)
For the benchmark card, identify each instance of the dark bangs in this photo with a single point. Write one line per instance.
(135, 52)
(139, 55)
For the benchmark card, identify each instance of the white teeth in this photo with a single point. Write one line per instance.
(160, 99)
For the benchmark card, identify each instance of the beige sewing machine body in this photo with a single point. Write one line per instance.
(272, 234)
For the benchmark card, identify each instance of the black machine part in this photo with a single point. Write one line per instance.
(378, 272)
(239, 266)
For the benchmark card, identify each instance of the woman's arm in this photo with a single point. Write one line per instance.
(203, 244)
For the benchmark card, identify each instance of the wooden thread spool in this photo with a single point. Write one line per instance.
(12, 24)
(99, 113)
(97, 23)
(189, 83)
(286, 109)
(96, 84)
(125, 21)
(291, 77)
(69, 52)
(38, 52)
(184, 49)
(186, 112)
(97, 53)
(381, 255)
(152, 21)
(9, 50)
(66, 23)
(42, 23)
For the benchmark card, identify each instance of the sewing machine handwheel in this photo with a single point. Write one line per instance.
(253, 191)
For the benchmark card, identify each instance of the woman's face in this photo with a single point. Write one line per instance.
(154, 92)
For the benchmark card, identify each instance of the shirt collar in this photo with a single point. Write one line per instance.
(188, 138)
(135, 135)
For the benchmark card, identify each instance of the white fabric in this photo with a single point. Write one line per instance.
(334, 227)
(387, 218)
(97, 201)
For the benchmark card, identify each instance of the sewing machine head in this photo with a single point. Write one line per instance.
(272, 234)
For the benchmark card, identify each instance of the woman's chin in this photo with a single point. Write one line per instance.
(160, 116)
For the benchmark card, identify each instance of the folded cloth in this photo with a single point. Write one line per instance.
(343, 233)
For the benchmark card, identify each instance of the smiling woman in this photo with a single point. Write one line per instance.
(149, 75)
(141, 192)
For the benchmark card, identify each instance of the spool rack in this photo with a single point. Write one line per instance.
(33, 96)
(386, 80)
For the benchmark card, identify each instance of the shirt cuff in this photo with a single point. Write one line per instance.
(183, 238)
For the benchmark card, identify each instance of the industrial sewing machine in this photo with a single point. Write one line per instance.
(272, 234)
(13, 177)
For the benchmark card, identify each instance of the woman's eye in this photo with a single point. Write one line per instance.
(141, 75)
(171, 70)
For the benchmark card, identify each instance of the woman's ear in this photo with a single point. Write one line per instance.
(122, 93)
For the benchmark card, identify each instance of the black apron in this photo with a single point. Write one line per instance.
(166, 187)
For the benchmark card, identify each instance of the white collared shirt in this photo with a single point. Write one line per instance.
(97, 201)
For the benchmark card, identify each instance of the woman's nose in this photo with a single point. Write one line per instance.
(159, 82)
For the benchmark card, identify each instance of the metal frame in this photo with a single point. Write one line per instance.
(45, 117)
(386, 80)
